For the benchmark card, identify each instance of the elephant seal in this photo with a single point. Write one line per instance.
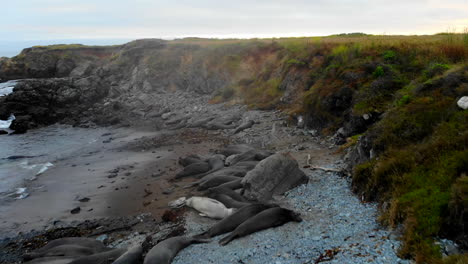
(216, 163)
(97, 246)
(269, 218)
(216, 181)
(231, 193)
(190, 159)
(165, 251)
(232, 185)
(194, 169)
(101, 258)
(251, 155)
(244, 126)
(234, 149)
(132, 256)
(227, 201)
(231, 222)
(209, 207)
(52, 260)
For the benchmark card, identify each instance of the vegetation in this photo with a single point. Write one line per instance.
(421, 140)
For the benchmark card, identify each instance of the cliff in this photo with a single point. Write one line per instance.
(390, 101)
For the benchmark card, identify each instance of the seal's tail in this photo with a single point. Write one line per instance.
(227, 239)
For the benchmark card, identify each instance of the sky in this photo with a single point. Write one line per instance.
(102, 20)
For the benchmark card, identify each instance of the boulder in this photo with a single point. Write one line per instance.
(273, 176)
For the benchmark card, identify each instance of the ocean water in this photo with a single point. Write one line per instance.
(25, 157)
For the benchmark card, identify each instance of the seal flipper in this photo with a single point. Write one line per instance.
(227, 239)
(203, 235)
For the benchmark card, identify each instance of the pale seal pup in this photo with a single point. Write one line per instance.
(164, 252)
(209, 207)
(231, 222)
(269, 218)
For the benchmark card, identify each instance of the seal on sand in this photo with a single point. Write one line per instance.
(101, 258)
(231, 222)
(165, 251)
(209, 207)
(97, 246)
(269, 218)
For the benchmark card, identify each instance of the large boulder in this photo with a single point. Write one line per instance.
(273, 176)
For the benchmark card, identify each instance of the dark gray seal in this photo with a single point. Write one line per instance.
(268, 218)
(234, 149)
(190, 159)
(231, 193)
(91, 243)
(227, 200)
(231, 222)
(216, 163)
(164, 252)
(216, 181)
(101, 258)
(132, 256)
(232, 185)
(244, 126)
(194, 169)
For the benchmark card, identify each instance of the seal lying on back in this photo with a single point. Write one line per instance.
(231, 222)
(164, 252)
(209, 207)
(269, 218)
(91, 243)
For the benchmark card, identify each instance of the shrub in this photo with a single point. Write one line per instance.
(389, 55)
(379, 71)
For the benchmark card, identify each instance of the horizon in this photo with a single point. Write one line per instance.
(49, 21)
(11, 48)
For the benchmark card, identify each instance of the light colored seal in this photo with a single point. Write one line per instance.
(164, 252)
(209, 207)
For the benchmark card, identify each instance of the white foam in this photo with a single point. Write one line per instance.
(44, 167)
(6, 88)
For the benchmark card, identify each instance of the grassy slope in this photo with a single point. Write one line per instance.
(419, 175)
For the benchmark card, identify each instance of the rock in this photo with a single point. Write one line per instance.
(300, 122)
(75, 210)
(463, 102)
(84, 200)
(273, 176)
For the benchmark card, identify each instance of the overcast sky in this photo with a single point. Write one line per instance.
(131, 19)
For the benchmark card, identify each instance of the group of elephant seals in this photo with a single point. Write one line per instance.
(209, 207)
(231, 222)
(165, 251)
(268, 218)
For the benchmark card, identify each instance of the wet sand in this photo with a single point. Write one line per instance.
(123, 172)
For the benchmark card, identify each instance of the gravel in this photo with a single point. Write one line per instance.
(337, 228)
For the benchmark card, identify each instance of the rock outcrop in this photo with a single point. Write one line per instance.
(273, 176)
